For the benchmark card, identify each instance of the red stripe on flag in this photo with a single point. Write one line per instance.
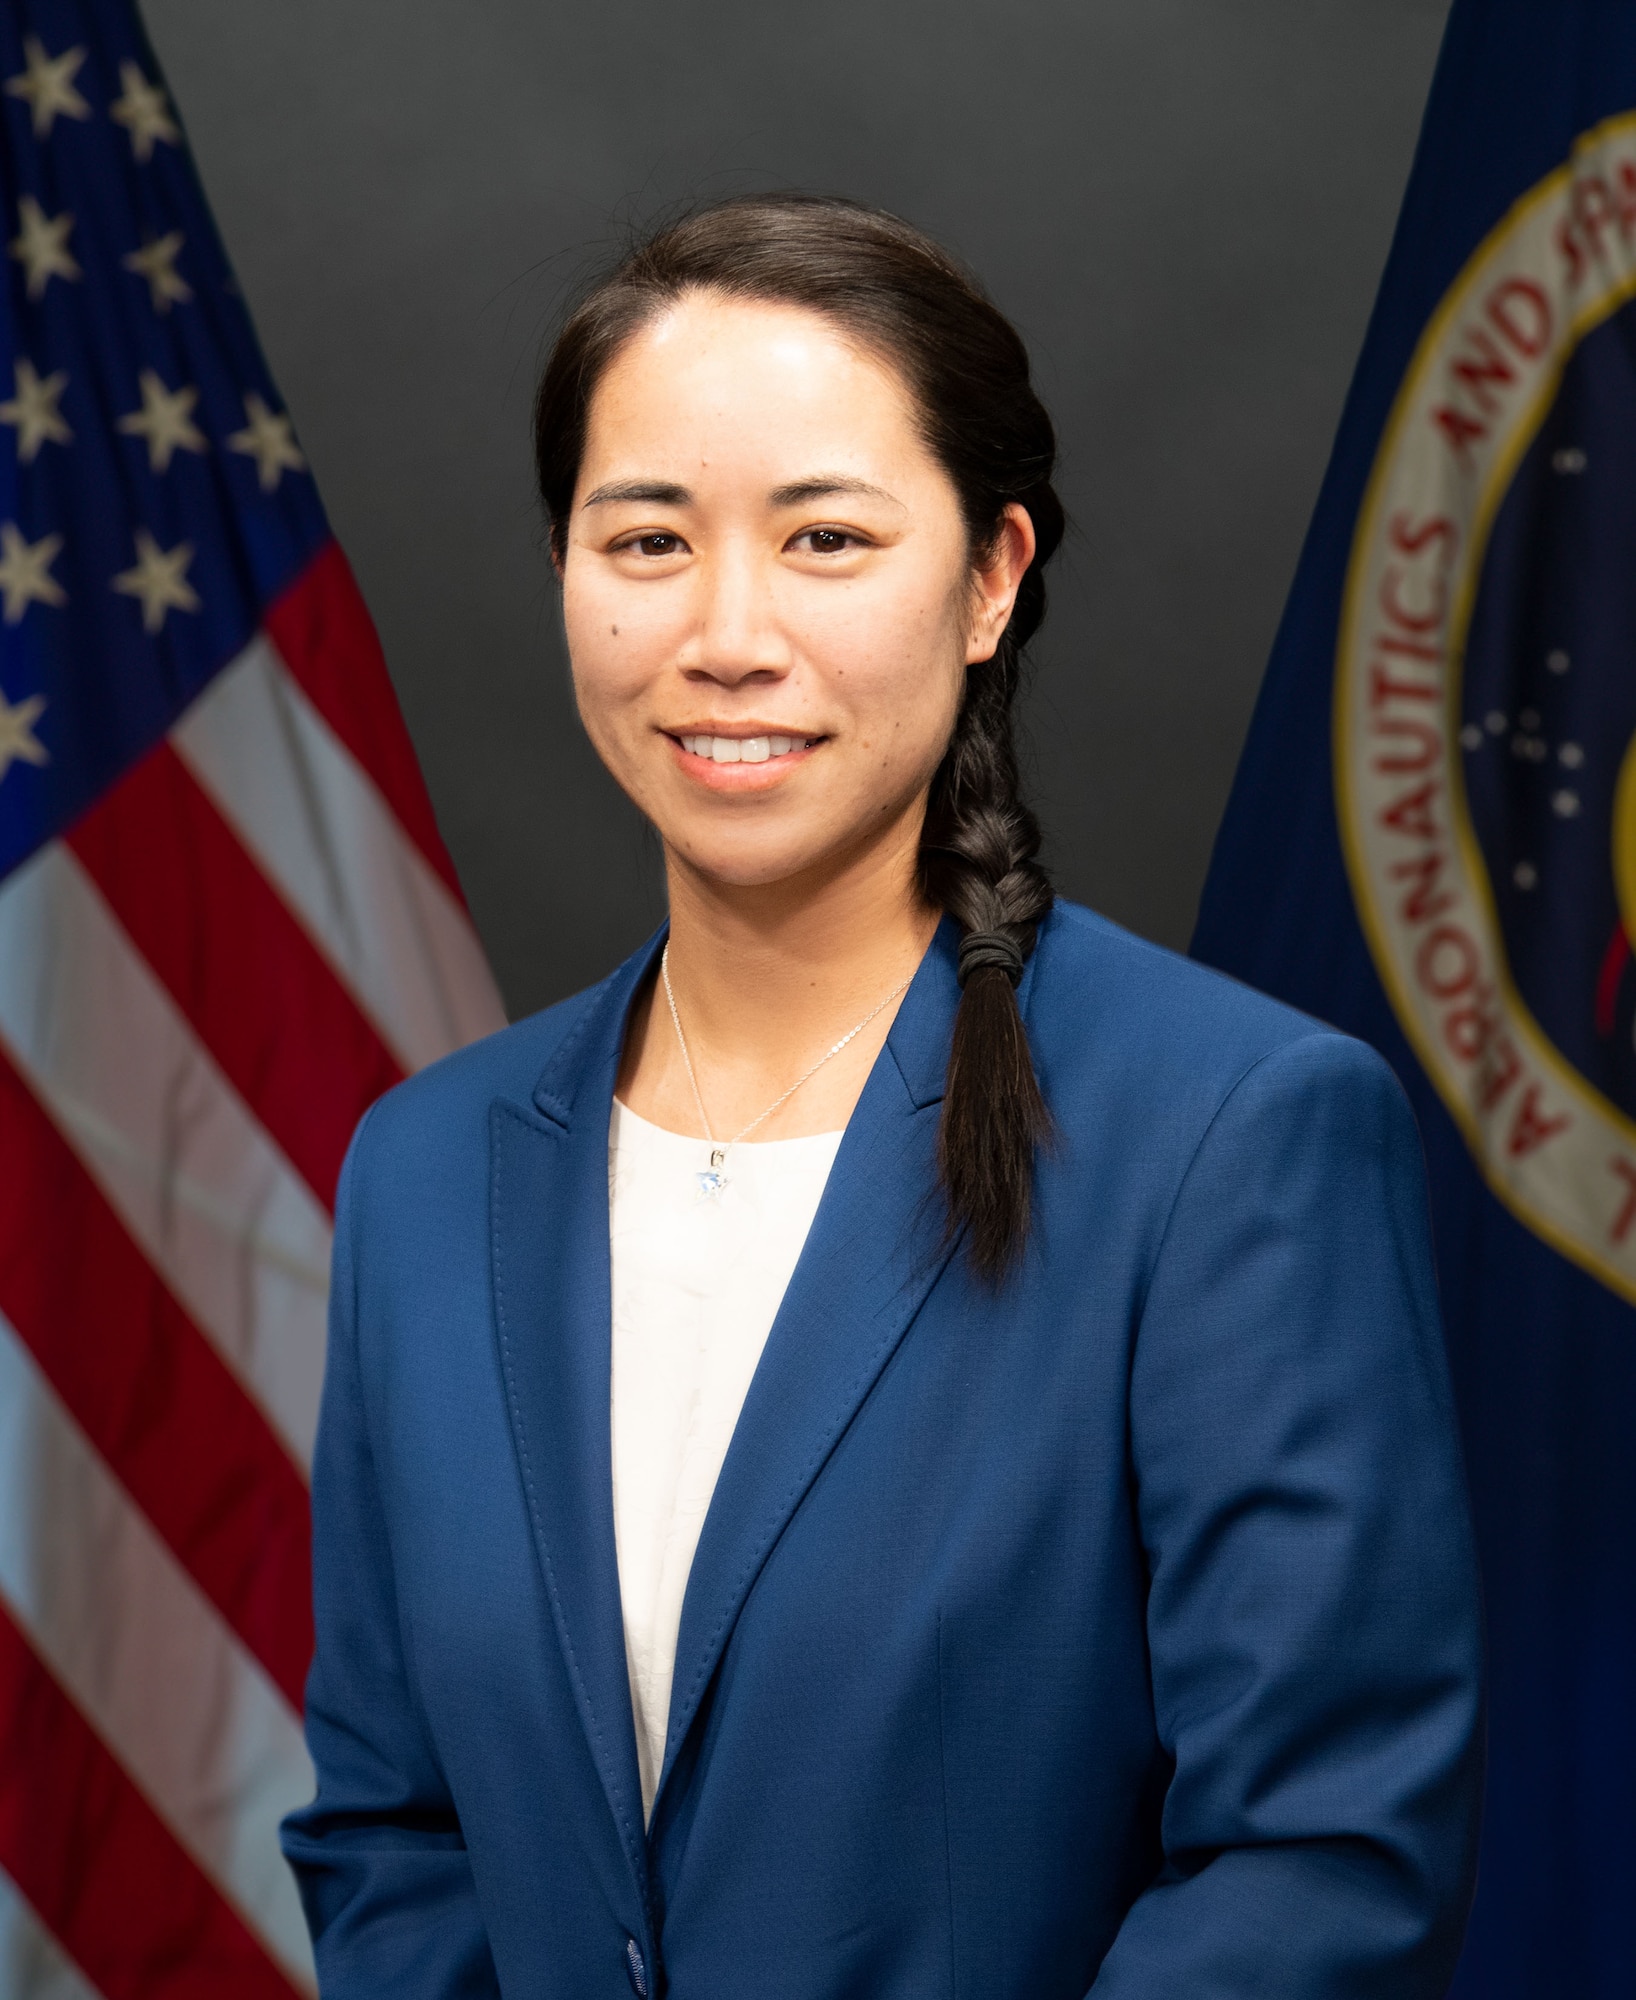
(326, 637)
(264, 1001)
(151, 1393)
(103, 1871)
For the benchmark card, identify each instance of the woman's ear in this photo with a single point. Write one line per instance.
(995, 581)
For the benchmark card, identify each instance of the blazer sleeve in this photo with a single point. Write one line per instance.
(379, 1856)
(1313, 1611)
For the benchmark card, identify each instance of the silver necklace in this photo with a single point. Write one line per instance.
(714, 1178)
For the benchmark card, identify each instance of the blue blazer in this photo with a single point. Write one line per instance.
(1117, 1634)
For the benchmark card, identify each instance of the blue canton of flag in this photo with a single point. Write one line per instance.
(1432, 843)
(157, 498)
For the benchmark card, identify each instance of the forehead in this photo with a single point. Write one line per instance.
(749, 386)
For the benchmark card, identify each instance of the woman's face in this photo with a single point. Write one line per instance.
(769, 597)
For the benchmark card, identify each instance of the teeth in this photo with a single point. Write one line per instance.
(743, 749)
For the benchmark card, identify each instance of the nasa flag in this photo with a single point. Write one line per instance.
(1432, 843)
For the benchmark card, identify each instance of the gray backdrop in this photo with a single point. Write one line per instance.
(1185, 205)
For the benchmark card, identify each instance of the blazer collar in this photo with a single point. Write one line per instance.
(875, 1249)
(549, 1245)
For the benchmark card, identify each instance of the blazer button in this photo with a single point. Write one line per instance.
(636, 1970)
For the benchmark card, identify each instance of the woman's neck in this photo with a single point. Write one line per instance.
(766, 978)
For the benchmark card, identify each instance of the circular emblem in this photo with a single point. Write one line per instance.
(1485, 706)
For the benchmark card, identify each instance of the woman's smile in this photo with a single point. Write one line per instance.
(748, 758)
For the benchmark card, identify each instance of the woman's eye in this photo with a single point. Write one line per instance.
(656, 544)
(826, 541)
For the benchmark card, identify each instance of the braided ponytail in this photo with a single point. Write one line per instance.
(899, 294)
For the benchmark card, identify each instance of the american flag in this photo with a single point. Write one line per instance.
(227, 923)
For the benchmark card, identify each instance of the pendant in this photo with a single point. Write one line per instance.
(713, 1180)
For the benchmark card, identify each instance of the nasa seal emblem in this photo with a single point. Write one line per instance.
(1485, 706)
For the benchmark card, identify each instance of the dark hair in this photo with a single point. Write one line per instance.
(904, 298)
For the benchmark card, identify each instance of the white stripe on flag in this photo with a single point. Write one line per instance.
(217, 1209)
(32, 1964)
(318, 826)
(182, 1705)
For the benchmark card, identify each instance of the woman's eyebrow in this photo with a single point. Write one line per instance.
(658, 492)
(822, 485)
(664, 493)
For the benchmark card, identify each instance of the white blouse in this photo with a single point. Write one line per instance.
(697, 1281)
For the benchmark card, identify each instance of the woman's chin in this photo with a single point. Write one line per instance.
(741, 872)
(743, 859)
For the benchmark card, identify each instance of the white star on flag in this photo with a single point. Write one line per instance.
(144, 111)
(159, 578)
(156, 261)
(33, 411)
(48, 84)
(269, 439)
(165, 420)
(41, 244)
(18, 743)
(25, 571)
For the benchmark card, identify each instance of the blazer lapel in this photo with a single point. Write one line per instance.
(875, 1249)
(549, 1235)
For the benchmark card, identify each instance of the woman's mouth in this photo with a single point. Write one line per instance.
(744, 749)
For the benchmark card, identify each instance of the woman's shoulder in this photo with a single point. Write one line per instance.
(1133, 987)
(443, 1111)
(1120, 1025)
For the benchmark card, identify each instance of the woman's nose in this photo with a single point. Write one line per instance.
(738, 636)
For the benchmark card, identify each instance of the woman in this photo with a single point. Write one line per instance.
(898, 1446)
